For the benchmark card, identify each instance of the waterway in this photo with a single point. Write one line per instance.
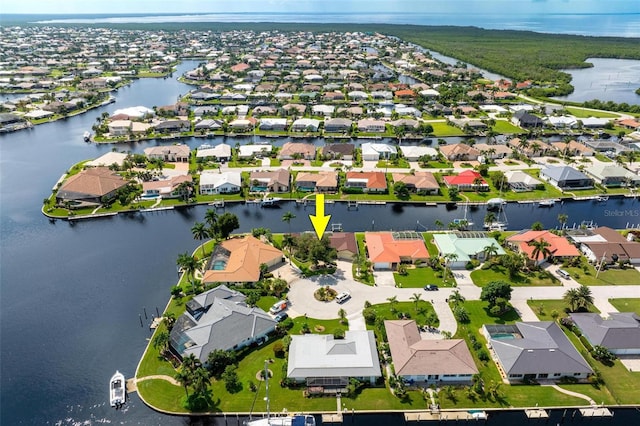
(73, 296)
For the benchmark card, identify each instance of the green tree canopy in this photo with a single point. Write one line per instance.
(494, 290)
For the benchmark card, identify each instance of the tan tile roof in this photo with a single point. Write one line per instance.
(97, 181)
(321, 179)
(383, 248)
(420, 180)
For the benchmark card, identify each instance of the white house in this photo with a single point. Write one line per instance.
(376, 151)
(212, 182)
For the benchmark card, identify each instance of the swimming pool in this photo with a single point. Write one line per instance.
(219, 265)
(503, 336)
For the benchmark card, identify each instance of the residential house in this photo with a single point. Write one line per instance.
(323, 110)
(213, 182)
(611, 175)
(468, 180)
(172, 126)
(171, 153)
(279, 124)
(221, 152)
(629, 123)
(119, 128)
(493, 152)
(386, 250)
(254, 151)
(107, 159)
(296, 150)
(415, 152)
(367, 181)
(369, 125)
(218, 319)
(90, 187)
(237, 261)
(573, 149)
(604, 245)
(406, 124)
(377, 151)
(530, 148)
(466, 246)
(559, 247)
(520, 181)
(526, 120)
(345, 244)
(423, 183)
(338, 124)
(338, 151)
(566, 178)
(270, 181)
(459, 152)
(325, 364)
(165, 188)
(534, 350)
(428, 361)
(305, 125)
(619, 331)
(317, 182)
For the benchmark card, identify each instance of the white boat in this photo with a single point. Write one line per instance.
(546, 203)
(117, 394)
(270, 201)
(87, 136)
(497, 226)
(282, 420)
(496, 203)
(602, 198)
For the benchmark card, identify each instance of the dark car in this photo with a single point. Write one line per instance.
(431, 287)
(281, 317)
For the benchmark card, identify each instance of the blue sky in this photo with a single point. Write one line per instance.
(310, 6)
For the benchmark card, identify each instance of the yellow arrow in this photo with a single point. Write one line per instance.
(319, 221)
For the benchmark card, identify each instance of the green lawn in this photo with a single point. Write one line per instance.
(482, 277)
(417, 312)
(584, 113)
(544, 308)
(441, 129)
(419, 277)
(626, 305)
(431, 246)
(505, 127)
(628, 276)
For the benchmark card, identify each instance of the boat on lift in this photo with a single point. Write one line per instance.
(546, 203)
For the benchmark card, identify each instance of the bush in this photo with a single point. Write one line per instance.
(483, 355)
(586, 344)
(461, 314)
(472, 264)
(369, 316)
(278, 350)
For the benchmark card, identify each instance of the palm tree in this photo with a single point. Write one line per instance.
(161, 341)
(287, 217)
(200, 232)
(490, 251)
(448, 259)
(415, 298)
(585, 298)
(188, 264)
(489, 217)
(572, 297)
(456, 298)
(540, 247)
(563, 218)
(184, 378)
(392, 301)
(342, 314)
(439, 224)
(211, 217)
(287, 242)
(200, 381)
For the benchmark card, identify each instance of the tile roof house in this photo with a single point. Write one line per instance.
(213, 182)
(292, 150)
(612, 175)
(342, 151)
(534, 350)
(165, 188)
(573, 148)
(422, 183)
(317, 182)
(520, 181)
(565, 177)
(559, 246)
(386, 250)
(250, 151)
(345, 244)
(414, 152)
(377, 151)
(466, 246)
(459, 152)
(270, 181)
(218, 152)
(606, 244)
(218, 319)
(619, 332)
(428, 361)
(468, 180)
(531, 148)
(238, 260)
(319, 360)
(371, 125)
(493, 151)
(173, 153)
(337, 125)
(89, 187)
(367, 181)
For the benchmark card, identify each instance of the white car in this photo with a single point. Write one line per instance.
(343, 297)
(278, 307)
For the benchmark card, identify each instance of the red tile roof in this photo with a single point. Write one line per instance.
(464, 178)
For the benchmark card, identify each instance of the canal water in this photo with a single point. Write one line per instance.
(73, 297)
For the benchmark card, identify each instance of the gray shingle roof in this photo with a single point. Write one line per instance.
(563, 173)
(619, 331)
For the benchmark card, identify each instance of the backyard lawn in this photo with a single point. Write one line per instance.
(544, 308)
(482, 277)
(626, 305)
(628, 276)
(419, 277)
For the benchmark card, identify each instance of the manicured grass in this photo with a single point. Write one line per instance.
(482, 277)
(505, 127)
(626, 305)
(628, 276)
(419, 277)
(584, 113)
(431, 246)
(163, 394)
(441, 129)
(544, 308)
(417, 312)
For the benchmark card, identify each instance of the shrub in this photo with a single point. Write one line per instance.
(603, 354)
(586, 344)
(483, 355)
(461, 314)
(278, 350)
(369, 316)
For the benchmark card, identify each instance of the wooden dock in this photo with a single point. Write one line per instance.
(332, 418)
(596, 412)
(417, 416)
(536, 413)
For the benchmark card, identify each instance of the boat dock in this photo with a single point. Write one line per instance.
(536, 413)
(332, 418)
(417, 416)
(596, 412)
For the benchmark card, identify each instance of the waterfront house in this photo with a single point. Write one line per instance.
(423, 183)
(526, 120)
(520, 181)
(279, 124)
(305, 125)
(534, 350)
(172, 126)
(530, 148)
(367, 181)
(345, 244)
(415, 152)
(573, 148)
(611, 175)
(370, 125)
(220, 152)
(246, 152)
(338, 151)
(89, 187)
(323, 110)
(325, 364)
(377, 151)
(270, 181)
(297, 150)
(559, 246)
(119, 128)
(618, 331)
(459, 152)
(326, 182)
(165, 188)
(468, 180)
(108, 159)
(218, 319)
(407, 124)
(335, 125)
(566, 178)
(427, 361)
(237, 261)
(606, 245)
(386, 250)
(214, 182)
(171, 153)
(465, 246)
(493, 152)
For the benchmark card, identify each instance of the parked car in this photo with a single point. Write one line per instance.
(431, 287)
(281, 317)
(564, 274)
(278, 307)
(343, 297)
